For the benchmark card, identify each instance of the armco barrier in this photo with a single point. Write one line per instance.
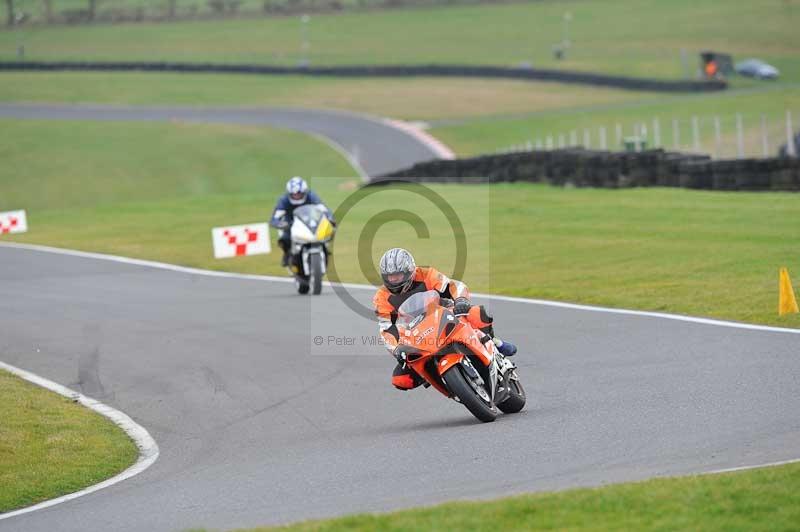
(588, 168)
(486, 71)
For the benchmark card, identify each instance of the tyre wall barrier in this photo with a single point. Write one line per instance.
(486, 71)
(602, 169)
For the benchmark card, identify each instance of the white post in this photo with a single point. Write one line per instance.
(656, 133)
(573, 138)
(549, 142)
(739, 137)
(676, 134)
(539, 144)
(717, 138)
(587, 141)
(791, 149)
(642, 135)
(764, 136)
(529, 146)
(637, 141)
(696, 133)
(603, 145)
(561, 141)
(306, 42)
(619, 135)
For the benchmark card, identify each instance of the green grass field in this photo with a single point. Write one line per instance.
(50, 446)
(471, 116)
(765, 499)
(480, 135)
(653, 249)
(50, 165)
(413, 99)
(634, 37)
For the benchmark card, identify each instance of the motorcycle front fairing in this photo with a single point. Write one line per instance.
(311, 230)
(437, 340)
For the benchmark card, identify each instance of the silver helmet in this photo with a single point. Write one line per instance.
(397, 270)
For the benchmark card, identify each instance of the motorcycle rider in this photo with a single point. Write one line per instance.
(401, 279)
(297, 194)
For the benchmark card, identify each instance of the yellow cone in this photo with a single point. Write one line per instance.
(787, 304)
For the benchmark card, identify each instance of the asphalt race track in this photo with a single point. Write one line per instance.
(375, 145)
(257, 425)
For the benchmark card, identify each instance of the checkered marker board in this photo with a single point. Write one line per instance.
(13, 222)
(240, 240)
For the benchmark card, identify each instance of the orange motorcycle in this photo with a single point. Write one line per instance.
(455, 358)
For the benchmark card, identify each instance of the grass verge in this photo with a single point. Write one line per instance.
(415, 99)
(50, 446)
(56, 165)
(701, 253)
(762, 499)
(477, 135)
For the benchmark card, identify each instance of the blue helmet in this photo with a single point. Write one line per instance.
(297, 189)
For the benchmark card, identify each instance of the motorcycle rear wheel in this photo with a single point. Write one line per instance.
(457, 384)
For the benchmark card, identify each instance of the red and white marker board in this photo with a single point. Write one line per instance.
(13, 222)
(240, 240)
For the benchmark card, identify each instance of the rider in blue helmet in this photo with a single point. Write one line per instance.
(297, 194)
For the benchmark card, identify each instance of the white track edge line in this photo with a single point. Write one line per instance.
(749, 467)
(148, 449)
(146, 461)
(527, 301)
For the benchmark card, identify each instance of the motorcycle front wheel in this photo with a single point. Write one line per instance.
(516, 396)
(481, 407)
(315, 273)
(301, 285)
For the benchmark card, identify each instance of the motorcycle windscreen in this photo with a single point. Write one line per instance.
(414, 309)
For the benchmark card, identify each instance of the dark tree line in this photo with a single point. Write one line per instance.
(89, 12)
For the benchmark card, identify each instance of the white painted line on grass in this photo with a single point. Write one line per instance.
(148, 449)
(540, 302)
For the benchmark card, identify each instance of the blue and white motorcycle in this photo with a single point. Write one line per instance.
(311, 233)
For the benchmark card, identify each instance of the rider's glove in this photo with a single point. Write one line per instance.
(399, 354)
(462, 306)
(282, 224)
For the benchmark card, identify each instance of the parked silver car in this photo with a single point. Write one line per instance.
(756, 68)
